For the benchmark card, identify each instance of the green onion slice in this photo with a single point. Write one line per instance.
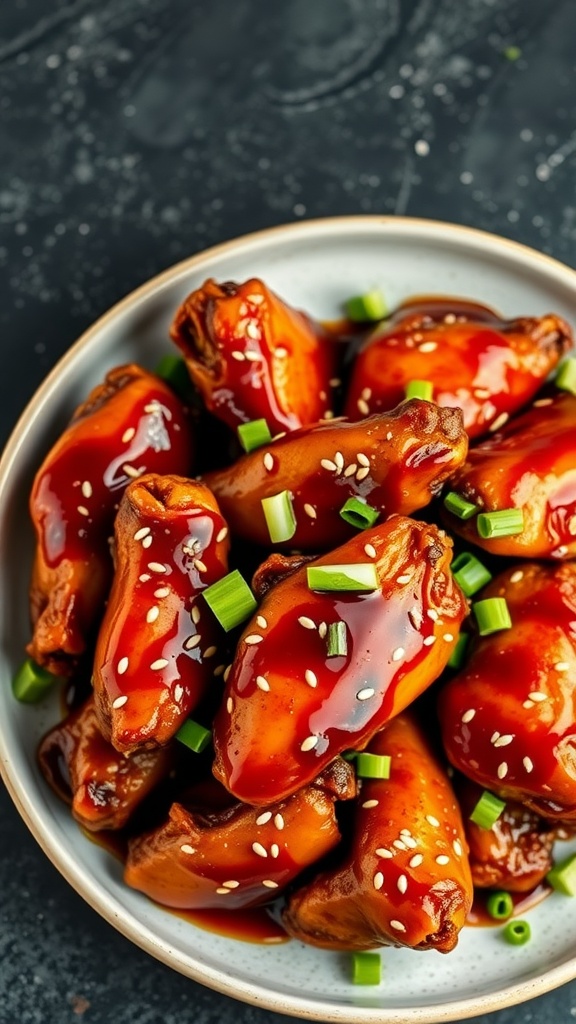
(230, 599)
(491, 615)
(487, 810)
(562, 876)
(337, 640)
(361, 576)
(373, 766)
(365, 308)
(458, 505)
(279, 515)
(254, 434)
(32, 682)
(507, 522)
(366, 969)
(512, 53)
(500, 905)
(566, 376)
(194, 736)
(470, 574)
(358, 513)
(349, 755)
(419, 389)
(517, 933)
(174, 371)
(456, 659)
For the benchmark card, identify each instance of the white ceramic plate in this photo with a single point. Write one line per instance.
(314, 266)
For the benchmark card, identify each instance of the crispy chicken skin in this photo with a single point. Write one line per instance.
(130, 424)
(488, 367)
(105, 787)
(529, 464)
(396, 461)
(405, 880)
(508, 718)
(289, 709)
(157, 646)
(515, 854)
(252, 357)
(238, 857)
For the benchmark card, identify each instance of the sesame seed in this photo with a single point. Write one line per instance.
(405, 832)
(415, 616)
(262, 683)
(537, 696)
(448, 638)
(186, 848)
(262, 622)
(147, 542)
(504, 741)
(192, 641)
(399, 844)
(428, 346)
(279, 821)
(322, 630)
(384, 853)
(468, 715)
(268, 461)
(397, 926)
(363, 407)
(222, 891)
(335, 382)
(339, 460)
(378, 880)
(389, 435)
(528, 763)
(210, 651)
(402, 884)
(411, 843)
(306, 622)
(457, 847)
(482, 393)
(259, 849)
(141, 533)
(275, 850)
(366, 693)
(229, 705)
(156, 567)
(362, 473)
(370, 550)
(499, 422)
(128, 435)
(362, 459)
(162, 592)
(199, 565)
(227, 672)
(351, 469)
(230, 885)
(281, 352)
(264, 818)
(131, 471)
(432, 614)
(253, 638)
(310, 510)
(178, 693)
(528, 704)
(122, 666)
(269, 883)
(561, 666)
(517, 576)
(432, 821)
(494, 736)
(222, 534)
(239, 356)
(502, 770)
(540, 402)
(429, 640)
(442, 859)
(329, 465)
(572, 525)
(398, 654)
(159, 664)
(309, 743)
(416, 860)
(366, 394)
(83, 510)
(253, 331)
(370, 803)
(311, 678)
(144, 577)
(119, 702)
(152, 613)
(86, 489)
(195, 614)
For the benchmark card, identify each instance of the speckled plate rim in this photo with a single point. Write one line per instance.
(105, 905)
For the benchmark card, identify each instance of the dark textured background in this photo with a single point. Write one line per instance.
(136, 132)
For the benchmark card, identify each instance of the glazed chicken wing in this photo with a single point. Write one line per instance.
(508, 718)
(405, 880)
(290, 707)
(129, 425)
(156, 651)
(488, 367)
(394, 461)
(252, 357)
(238, 857)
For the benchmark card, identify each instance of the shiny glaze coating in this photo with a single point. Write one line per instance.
(251, 356)
(529, 464)
(283, 692)
(406, 879)
(105, 786)
(515, 854)
(130, 424)
(158, 643)
(238, 857)
(488, 367)
(396, 461)
(508, 718)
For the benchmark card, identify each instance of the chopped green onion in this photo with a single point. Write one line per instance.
(253, 435)
(358, 513)
(458, 505)
(32, 682)
(230, 599)
(507, 522)
(500, 905)
(279, 515)
(419, 389)
(512, 53)
(366, 969)
(487, 810)
(517, 933)
(566, 376)
(456, 659)
(373, 766)
(470, 574)
(562, 876)
(194, 735)
(365, 308)
(491, 615)
(349, 755)
(336, 640)
(174, 371)
(358, 576)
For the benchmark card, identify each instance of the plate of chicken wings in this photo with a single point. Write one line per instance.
(289, 543)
